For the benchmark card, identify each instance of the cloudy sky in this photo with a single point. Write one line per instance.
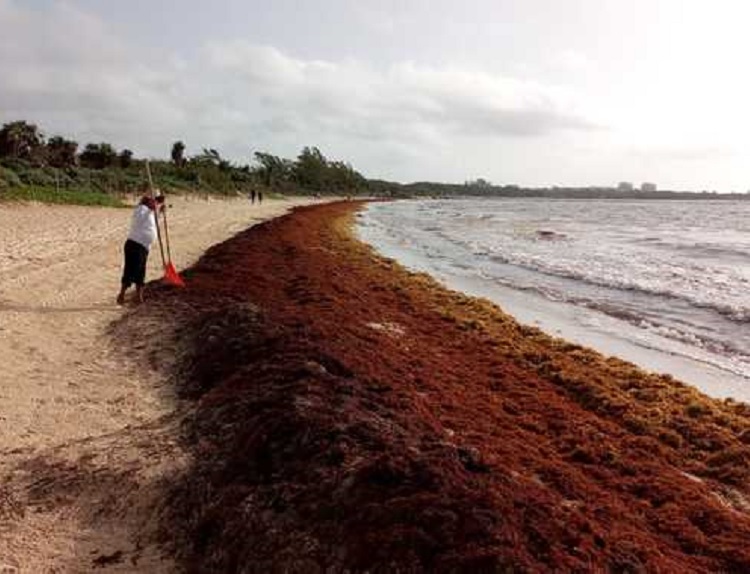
(534, 92)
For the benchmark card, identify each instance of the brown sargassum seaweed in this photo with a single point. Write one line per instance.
(349, 415)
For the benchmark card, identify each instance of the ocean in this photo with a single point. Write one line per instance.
(663, 284)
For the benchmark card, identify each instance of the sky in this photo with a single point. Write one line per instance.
(527, 92)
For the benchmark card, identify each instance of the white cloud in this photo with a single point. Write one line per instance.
(71, 73)
(574, 61)
(67, 71)
(428, 90)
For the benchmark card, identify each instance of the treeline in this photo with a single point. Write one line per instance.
(55, 166)
(482, 188)
(29, 159)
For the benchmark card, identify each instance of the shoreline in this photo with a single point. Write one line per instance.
(343, 413)
(366, 417)
(717, 375)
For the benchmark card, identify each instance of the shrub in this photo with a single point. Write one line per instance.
(8, 178)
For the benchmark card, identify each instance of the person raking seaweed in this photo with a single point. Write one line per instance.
(143, 232)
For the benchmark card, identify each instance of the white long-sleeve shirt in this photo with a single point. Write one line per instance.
(143, 226)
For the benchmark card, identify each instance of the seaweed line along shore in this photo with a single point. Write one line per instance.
(339, 412)
(333, 411)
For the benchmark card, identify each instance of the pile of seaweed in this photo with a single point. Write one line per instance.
(349, 415)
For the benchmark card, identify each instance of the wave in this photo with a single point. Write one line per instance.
(687, 298)
(731, 363)
(706, 250)
(735, 313)
(703, 349)
(647, 322)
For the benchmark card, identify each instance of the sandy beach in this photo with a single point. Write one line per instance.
(348, 415)
(67, 389)
(306, 405)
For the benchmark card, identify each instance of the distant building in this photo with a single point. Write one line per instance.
(624, 186)
(648, 187)
(479, 182)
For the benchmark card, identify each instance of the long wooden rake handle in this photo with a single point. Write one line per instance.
(156, 213)
(166, 234)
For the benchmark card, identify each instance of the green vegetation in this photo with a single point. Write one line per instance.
(54, 169)
(33, 167)
(62, 196)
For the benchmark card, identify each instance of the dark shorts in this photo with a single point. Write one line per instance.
(136, 256)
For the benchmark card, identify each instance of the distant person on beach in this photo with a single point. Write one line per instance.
(252, 196)
(141, 236)
(260, 197)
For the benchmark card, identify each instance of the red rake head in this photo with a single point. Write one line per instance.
(172, 277)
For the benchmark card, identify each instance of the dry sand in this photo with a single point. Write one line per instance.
(69, 398)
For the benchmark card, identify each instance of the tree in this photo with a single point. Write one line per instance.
(61, 152)
(20, 140)
(311, 169)
(98, 156)
(178, 153)
(209, 156)
(126, 158)
(273, 169)
(343, 177)
(314, 172)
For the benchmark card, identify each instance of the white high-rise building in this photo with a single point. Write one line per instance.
(624, 186)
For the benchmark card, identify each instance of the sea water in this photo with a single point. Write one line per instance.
(664, 284)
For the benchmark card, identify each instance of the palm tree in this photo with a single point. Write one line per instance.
(178, 153)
